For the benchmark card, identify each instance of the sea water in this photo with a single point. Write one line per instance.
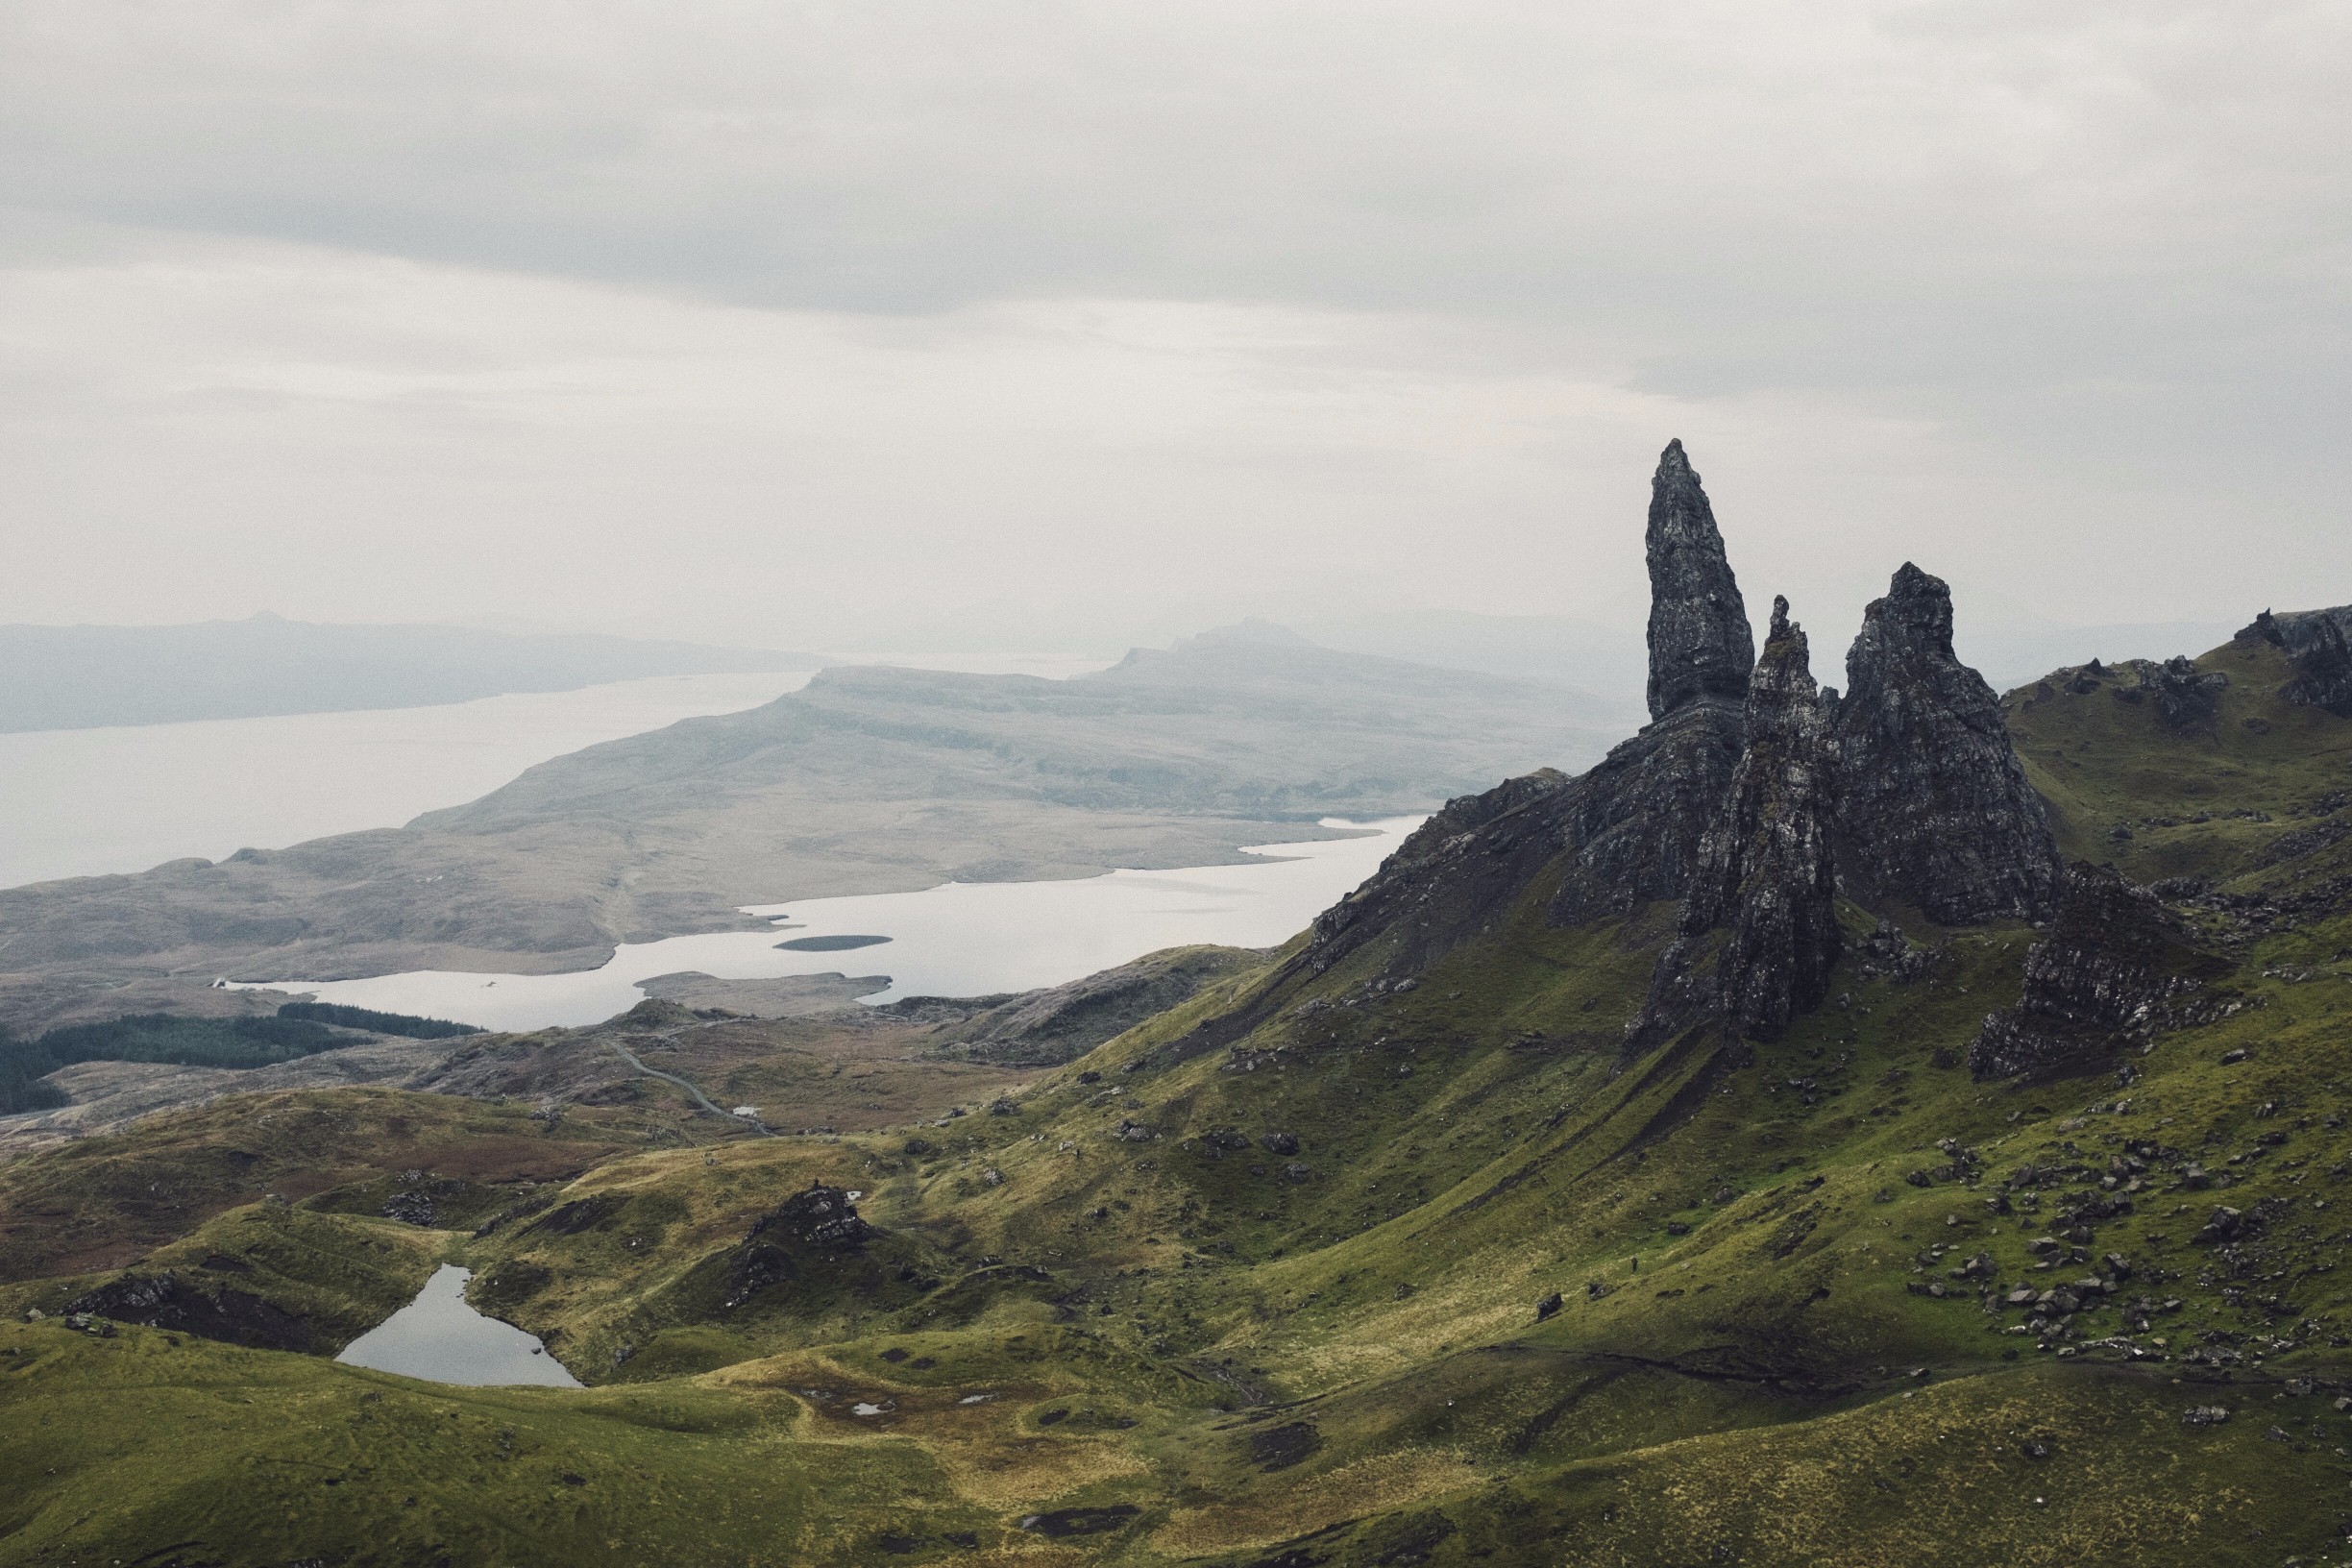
(93, 802)
(960, 938)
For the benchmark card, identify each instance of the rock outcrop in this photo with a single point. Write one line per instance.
(166, 1301)
(1759, 930)
(2116, 967)
(1700, 644)
(2183, 696)
(1628, 828)
(1934, 807)
(807, 1228)
(2318, 647)
(2323, 672)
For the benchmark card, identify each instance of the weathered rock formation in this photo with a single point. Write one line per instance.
(166, 1301)
(1631, 825)
(1635, 821)
(1934, 808)
(2183, 696)
(1628, 828)
(2116, 967)
(807, 1228)
(1759, 931)
(2318, 645)
(1700, 641)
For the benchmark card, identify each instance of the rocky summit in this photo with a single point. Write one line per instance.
(2319, 643)
(1907, 798)
(1949, 1204)
(1701, 645)
(1935, 814)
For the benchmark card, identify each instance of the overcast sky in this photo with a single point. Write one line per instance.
(857, 325)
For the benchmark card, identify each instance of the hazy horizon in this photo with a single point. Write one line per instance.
(928, 325)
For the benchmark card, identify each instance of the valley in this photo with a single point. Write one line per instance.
(1900, 1125)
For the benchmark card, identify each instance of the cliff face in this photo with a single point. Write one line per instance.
(1633, 825)
(1766, 876)
(1752, 796)
(1630, 827)
(2115, 966)
(1934, 809)
(1700, 641)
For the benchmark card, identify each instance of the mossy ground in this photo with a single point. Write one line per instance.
(1131, 1314)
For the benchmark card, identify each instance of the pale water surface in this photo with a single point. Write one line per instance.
(441, 1338)
(960, 939)
(89, 803)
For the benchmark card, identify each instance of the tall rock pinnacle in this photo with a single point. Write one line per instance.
(1700, 641)
(1934, 809)
(1766, 877)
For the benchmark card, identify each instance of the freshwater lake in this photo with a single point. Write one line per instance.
(960, 939)
(440, 1337)
(91, 802)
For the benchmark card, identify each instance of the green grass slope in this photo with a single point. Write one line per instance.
(1292, 1301)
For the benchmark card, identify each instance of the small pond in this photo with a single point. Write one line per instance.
(441, 1338)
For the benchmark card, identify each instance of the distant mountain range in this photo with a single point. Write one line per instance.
(1611, 662)
(81, 678)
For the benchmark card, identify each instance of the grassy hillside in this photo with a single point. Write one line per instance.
(1434, 1274)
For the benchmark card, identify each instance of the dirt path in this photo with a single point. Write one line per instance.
(699, 1099)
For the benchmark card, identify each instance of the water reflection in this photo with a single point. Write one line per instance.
(441, 1339)
(962, 938)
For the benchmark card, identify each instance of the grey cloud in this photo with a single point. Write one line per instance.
(1898, 195)
(2088, 260)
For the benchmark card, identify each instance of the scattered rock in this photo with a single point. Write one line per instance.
(410, 1208)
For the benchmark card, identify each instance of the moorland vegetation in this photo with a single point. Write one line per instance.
(1903, 1125)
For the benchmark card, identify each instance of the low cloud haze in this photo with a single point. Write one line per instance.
(1061, 326)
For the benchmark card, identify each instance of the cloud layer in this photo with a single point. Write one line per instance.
(1065, 311)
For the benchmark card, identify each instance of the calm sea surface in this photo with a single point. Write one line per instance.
(87, 802)
(960, 939)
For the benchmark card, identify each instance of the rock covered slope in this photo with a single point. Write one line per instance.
(1398, 1250)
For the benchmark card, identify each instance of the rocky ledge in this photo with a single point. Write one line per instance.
(2116, 967)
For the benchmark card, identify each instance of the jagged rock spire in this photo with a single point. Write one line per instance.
(1766, 875)
(1700, 641)
(1934, 808)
